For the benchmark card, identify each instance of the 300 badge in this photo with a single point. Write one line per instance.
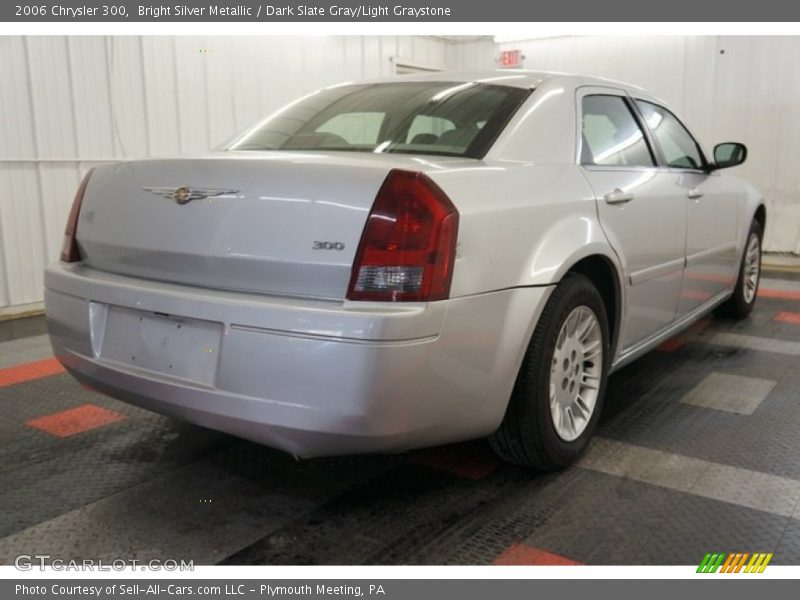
(328, 246)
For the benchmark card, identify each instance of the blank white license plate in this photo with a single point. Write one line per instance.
(175, 346)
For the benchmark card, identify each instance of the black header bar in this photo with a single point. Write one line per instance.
(439, 11)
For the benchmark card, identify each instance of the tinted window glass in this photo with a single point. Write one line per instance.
(679, 147)
(354, 128)
(611, 134)
(453, 119)
(424, 128)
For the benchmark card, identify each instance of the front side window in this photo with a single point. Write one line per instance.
(439, 118)
(680, 149)
(611, 134)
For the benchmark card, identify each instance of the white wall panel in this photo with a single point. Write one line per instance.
(23, 232)
(220, 64)
(91, 100)
(68, 103)
(192, 96)
(18, 180)
(16, 125)
(128, 106)
(478, 53)
(50, 82)
(757, 92)
(743, 88)
(21, 213)
(160, 93)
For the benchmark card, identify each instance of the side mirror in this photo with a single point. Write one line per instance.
(729, 154)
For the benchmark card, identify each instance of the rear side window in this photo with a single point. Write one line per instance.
(679, 148)
(439, 118)
(611, 134)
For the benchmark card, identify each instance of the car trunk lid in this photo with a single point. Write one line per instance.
(268, 222)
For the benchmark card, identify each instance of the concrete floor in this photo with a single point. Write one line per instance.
(697, 452)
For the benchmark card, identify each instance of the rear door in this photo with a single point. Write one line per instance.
(640, 209)
(712, 209)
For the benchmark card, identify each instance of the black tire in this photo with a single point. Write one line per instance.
(528, 435)
(737, 306)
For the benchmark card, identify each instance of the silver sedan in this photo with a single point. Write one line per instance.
(406, 262)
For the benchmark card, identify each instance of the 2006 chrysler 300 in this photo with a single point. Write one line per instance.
(406, 262)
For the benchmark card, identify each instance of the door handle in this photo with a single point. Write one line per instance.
(694, 194)
(618, 196)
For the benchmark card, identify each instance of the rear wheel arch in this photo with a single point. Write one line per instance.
(604, 275)
(516, 438)
(761, 216)
(529, 433)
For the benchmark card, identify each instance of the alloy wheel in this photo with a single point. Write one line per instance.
(752, 268)
(575, 373)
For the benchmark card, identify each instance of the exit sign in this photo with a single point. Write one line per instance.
(510, 59)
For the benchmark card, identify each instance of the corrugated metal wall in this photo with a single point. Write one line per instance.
(69, 102)
(66, 102)
(743, 88)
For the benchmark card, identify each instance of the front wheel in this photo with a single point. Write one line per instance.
(559, 390)
(741, 303)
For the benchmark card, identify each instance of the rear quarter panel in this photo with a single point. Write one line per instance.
(520, 224)
(527, 212)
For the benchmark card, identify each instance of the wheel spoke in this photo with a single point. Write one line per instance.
(592, 350)
(562, 336)
(584, 410)
(572, 321)
(570, 418)
(590, 382)
(586, 328)
(556, 412)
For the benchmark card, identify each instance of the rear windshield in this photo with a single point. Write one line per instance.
(448, 119)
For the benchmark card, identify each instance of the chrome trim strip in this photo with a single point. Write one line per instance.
(335, 338)
(692, 259)
(649, 273)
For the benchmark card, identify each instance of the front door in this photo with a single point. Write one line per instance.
(712, 209)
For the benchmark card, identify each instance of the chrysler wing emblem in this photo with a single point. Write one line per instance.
(184, 193)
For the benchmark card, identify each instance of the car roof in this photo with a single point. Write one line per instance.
(520, 78)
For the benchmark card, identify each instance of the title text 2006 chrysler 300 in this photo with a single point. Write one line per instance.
(406, 262)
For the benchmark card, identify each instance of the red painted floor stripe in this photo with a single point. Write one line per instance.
(783, 294)
(30, 371)
(75, 420)
(787, 316)
(671, 344)
(678, 341)
(470, 460)
(522, 554)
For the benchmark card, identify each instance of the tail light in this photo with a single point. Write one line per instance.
(408, 245)
(69, 249)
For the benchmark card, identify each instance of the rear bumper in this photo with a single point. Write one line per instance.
(309, 377)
